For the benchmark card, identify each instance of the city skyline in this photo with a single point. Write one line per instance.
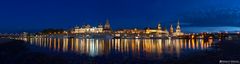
(164, 26)
(120, 31)
(203, 15)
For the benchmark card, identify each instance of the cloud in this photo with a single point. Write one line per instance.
(216, 17)
(211, 29)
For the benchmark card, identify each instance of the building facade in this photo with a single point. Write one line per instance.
(157, 30)
(106, 29)
(178, 30)
(89, 29)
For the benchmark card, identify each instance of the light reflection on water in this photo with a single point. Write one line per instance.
(127, 47)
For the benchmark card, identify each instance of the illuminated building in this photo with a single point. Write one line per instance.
(149, 32)
(178, 30)
(160, 31)
(107, 27)
(130, 31)
(171, 30)
(156, 31)
(87, 29)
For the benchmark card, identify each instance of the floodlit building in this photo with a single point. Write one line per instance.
(149, 32)
(89, 29)
(171, 30)
(107, 28)
(158, 30)
(130, 31)
(178, 30)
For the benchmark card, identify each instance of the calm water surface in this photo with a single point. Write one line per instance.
(129, 48)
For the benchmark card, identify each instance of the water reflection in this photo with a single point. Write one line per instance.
(127, 47)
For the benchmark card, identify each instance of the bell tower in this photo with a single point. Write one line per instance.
(107, 28)
(171, 29)
(159, 26)
(107, 25)
(178, 29)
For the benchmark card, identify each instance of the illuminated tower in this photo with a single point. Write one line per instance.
(100, 26)
(159, 29)
(159, 26)
(178, 29)
(171, 29)
(88, 26)
(107, 25)
(107, 28)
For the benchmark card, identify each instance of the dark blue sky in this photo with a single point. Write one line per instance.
(195, 15)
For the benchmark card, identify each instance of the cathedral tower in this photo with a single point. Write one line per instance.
(159, 26)
(107, 25)
(100, 26)
(171, 29)
(107, 28)
(178, 29)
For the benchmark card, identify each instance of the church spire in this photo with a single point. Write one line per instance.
(159, 26)
(100, 25)
(171, 29)
(178, 22)
(178, 29)
(107, 25)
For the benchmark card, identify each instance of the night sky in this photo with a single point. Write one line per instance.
(194, 15)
